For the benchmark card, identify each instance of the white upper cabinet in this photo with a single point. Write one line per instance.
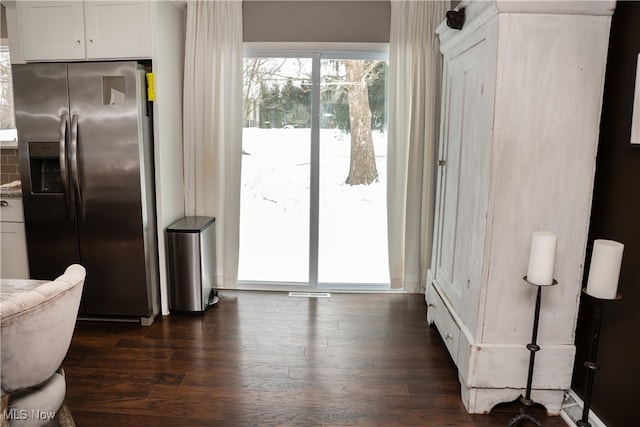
(52, 30)
(75, 30)
(117, 29)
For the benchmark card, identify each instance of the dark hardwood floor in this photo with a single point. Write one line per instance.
(264, 358)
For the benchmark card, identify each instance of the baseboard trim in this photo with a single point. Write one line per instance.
(571, 411)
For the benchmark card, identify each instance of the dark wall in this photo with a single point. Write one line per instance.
(316, 21)
(616, 216)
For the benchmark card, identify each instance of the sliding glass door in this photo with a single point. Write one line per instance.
(313, 206)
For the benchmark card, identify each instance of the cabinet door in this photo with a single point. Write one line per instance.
(117, 29)
(463, 178)
(51, 30)
(13, 262)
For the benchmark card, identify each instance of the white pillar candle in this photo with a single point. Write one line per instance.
(604, 273)
(542, 258)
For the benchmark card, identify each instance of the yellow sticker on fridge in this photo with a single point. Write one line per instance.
(151, 88)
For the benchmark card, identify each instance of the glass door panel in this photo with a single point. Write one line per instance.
(352, 242)
(275, 194)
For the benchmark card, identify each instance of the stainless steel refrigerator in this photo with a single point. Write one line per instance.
(84, 139)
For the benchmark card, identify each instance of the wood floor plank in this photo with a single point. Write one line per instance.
(106, 377)
(266, 359)
(382, 375)
(105, 419)
(185, 403)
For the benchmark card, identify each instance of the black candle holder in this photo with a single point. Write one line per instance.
(533, 348)
(592, 364)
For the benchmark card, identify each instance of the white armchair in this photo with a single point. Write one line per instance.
(36, 330)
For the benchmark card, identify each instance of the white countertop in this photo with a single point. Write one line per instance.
(12, 189)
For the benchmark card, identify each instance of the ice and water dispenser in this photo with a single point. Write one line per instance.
(44, 163)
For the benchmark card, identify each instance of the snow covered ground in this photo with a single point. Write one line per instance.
(274, 220)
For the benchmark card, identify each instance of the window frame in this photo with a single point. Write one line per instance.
(4, 141)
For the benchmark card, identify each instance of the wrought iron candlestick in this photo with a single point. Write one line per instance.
(592, 364)
(533, 348)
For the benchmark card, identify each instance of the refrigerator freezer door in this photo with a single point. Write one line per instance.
(41, 107)
(106, 148)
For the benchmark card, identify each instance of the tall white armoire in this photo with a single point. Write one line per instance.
(521, 101)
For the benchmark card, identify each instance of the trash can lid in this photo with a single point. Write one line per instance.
(190, 224)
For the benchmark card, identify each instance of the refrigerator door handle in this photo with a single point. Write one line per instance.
(74, 165)
(64, 173)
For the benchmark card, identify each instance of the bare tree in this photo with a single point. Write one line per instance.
(265, 71)
(362, 166)
(254, 72)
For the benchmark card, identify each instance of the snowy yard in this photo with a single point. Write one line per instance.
(274, 221)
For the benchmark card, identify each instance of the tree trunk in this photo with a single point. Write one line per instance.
(362, 167)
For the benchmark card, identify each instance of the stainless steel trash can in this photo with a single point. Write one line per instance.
(192, 264)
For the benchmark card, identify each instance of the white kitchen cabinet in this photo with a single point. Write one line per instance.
(76, 30)
(522, 95)
(117, 29)
(51, 30)
(13, 241)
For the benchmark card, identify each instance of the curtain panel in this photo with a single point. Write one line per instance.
(415, 74)
(212, 115)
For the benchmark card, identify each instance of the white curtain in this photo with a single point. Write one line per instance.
(414, 96)
(213, 124)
